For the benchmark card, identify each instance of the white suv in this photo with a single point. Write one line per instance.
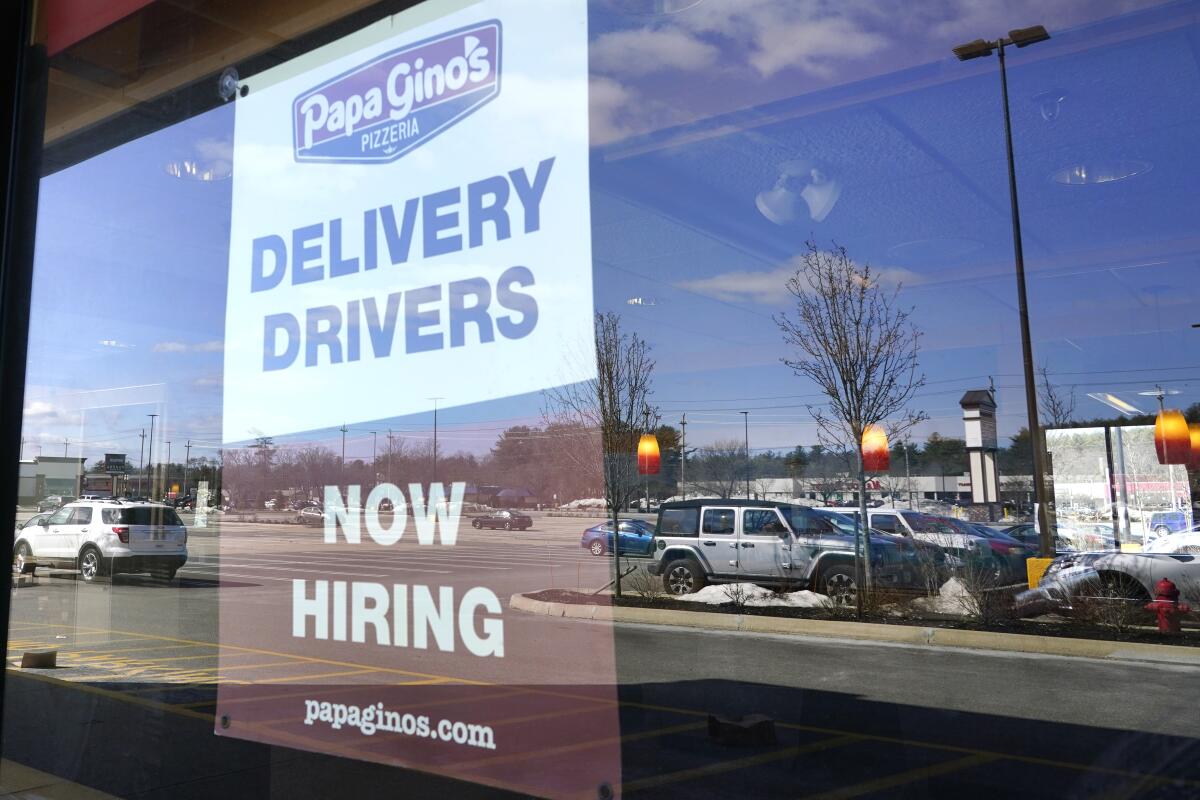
(104, 537)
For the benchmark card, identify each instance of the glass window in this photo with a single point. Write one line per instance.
(885, 522)
(718, 520)
(61, 516)
(762, 521)
(81, 516)
(679, 522)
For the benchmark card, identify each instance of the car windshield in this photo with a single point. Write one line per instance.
(924, 523)
(142, 515)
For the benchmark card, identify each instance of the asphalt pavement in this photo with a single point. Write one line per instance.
(579, 708)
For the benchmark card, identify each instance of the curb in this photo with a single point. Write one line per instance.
(868, 631)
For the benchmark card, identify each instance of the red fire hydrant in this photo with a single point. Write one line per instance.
(1167, 607)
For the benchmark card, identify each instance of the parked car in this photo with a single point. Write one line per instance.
(698, 542)
(311, 515)
(1182, 542)
(105, 537)
(1163, 522)
(927, 553)
(1113, 575)
(503, 519)
(962, 544)
(270, 504)
(636, 536)
(1026, 532)
(33, 521)
(54, 501)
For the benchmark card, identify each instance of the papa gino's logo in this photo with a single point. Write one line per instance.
(381, 110)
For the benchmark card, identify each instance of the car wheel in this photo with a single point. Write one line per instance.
(508, 526)
(596, 548)
(840, 585)
(476, 524)
(23, 560)
(683, 577)
(1162, 530)
(91, 564)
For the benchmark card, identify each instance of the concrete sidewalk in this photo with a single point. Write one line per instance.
(868, 631)
(19, 782)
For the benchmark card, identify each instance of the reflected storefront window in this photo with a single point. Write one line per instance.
(604, 398)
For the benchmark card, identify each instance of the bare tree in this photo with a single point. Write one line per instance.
(615, 407)
(1057, 403)
(720, 468)
(857, 344)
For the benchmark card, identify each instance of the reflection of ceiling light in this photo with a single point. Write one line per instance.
(799, 182)
(194, 170)
(641, 301)
(1112, 401)
(1101, 172)
(1049, 103)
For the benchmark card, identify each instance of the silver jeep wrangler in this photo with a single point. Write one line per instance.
(698, 542)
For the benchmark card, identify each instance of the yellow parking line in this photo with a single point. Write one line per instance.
(264, 666)
(100, 649)
(327, 692)
(902, 778)
(588, 745)
(737, 763)
(315, 677)
(109, 693)
(310, 659)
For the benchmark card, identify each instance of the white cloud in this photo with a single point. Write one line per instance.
(215, 346)
(643, 51)
(769, 287)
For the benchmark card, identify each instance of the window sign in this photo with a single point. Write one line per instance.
(413, 208)
(410, 218)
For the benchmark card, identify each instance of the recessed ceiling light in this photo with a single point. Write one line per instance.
(196, 170)
(1093, 172)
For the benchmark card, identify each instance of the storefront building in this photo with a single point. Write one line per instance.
(361, 324)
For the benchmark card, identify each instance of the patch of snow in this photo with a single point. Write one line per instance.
(755, 595)
(952, 598)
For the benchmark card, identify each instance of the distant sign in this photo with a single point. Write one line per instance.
(115, 464)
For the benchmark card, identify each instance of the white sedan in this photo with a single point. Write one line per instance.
(1182, 542)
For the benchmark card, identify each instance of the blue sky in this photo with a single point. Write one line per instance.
(692, 115)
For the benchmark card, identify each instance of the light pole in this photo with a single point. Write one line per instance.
(389, 455)
(167, 476)
(374, 469)
(435, 410)
(980, 47)
(683, 455)
(746, 420)
(150, 454)
(342, 469)
(141, 459)
(187, 458)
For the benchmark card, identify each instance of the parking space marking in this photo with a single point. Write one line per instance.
(902, 778)
(290, 678)
(737, 763)
(115, 695)
(577, 746)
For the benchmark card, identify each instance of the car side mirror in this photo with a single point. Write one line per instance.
(45, 523)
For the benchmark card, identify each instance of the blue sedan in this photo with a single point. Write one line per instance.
(637, 537)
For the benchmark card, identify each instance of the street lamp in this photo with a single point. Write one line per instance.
(746, 421)
(150, 454)
(976, 49)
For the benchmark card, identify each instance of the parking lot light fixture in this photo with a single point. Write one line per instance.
(1022, 37)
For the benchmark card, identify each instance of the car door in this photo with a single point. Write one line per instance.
(75, 532)
(52, 540)
(718, 540)
(762, 539)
